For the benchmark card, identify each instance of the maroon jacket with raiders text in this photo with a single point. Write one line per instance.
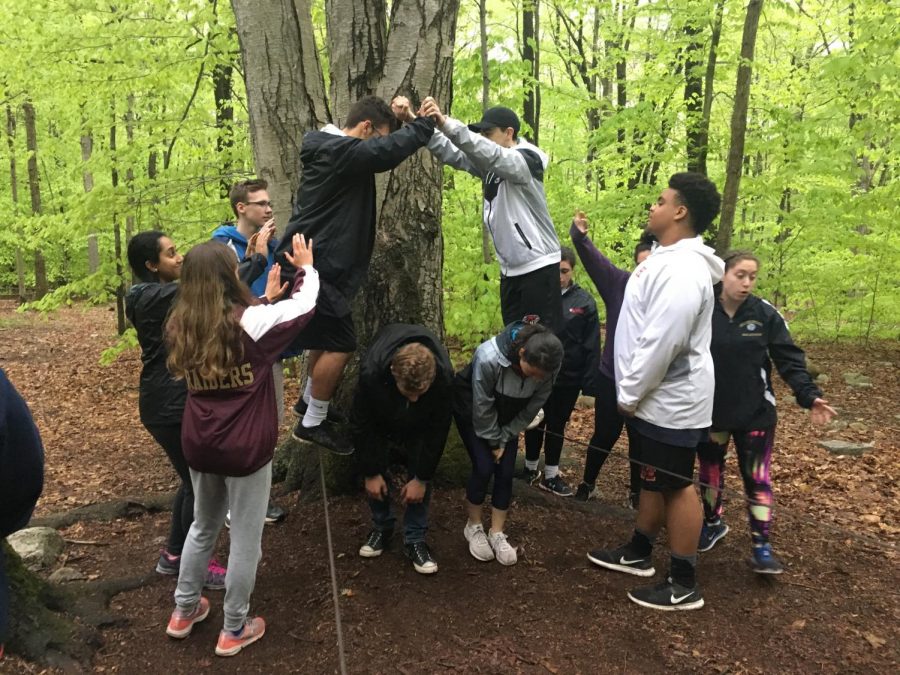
(230, 425)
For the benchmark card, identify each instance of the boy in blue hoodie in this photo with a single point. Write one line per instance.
(253, 212)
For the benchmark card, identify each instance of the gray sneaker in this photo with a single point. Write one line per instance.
(478, 542)
(503, 550)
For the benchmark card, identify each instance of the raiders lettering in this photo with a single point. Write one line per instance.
(233, 379)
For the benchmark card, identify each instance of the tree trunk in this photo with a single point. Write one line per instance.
(285, 90)
(117, 232)
(40, 269)
(224, 123)
(738, 127)
(14, 193)
(693, 95)
(531, 56)
(486, 243)
(708, 86)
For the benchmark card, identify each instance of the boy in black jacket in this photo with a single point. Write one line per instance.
(401, 411)
(335, 208)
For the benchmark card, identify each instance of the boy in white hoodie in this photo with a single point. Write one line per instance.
(665, 384)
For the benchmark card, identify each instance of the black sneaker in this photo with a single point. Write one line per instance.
(421, 558)
(623, 559)
(667, 596)
(325, 435)
(764, 561)
(375, 544)
(585, 492)
(333, 415)
(556, 485)
(530, 476)
(634, 499)
(274, 513)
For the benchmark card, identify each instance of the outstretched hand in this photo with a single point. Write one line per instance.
(402, 110)
(265, 233)
(431, 109)
(303, 252)
(581, 222)
(274, 288)
(821, 412)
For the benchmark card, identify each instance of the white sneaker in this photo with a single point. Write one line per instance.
(478, 542)
(537, 420)
(505, 554)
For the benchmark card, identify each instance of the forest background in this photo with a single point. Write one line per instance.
(122, 118)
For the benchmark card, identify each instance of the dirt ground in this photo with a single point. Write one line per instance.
(837, 609)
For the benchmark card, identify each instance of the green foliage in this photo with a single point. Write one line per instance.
(127, 341)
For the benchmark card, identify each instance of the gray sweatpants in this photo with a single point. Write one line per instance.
(246, 497)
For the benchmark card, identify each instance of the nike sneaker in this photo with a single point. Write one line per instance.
(623, 559)
(667, 596)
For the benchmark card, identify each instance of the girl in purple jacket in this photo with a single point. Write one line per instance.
(223, 343)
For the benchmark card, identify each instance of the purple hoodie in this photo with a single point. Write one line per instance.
(230, 425)
(610, 282)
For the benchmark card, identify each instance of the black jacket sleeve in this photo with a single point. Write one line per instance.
(383, 154)
(428, 447)
(372, 451)
(790, 361)
(250, 269)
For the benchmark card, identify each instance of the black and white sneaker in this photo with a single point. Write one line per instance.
(530, 476)
(667, 596)
(333, 415)
(274, 513)
(375, 544)
(556, 485)
(623, 559)
(585, 492)
(421, 557)
(325, 435)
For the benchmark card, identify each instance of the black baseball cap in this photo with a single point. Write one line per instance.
(496, 117)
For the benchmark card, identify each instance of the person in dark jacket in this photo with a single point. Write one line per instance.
(401, 411)
(21, 478)
(335, 207)
(494, 399)
(253, 217)
(223, 342)
(608, 421)
(748, 335)
(579, 373)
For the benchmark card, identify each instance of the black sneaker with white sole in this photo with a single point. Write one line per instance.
(667, 596)
(556, 485)
(530, 476)
(333, 415)
(421, 557)
(274, 513)
(375, 544)
(326, 435)
(585, 492)
(623, 559)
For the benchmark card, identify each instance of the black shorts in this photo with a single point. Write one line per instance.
(328, 333)
(671, 459)
(534, 293)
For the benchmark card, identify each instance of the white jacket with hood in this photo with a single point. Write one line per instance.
(664, 370)
(515, 205)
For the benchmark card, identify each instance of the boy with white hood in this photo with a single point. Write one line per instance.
(515, 206)
(665, 384)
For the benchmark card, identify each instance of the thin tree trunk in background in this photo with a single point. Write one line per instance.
(708, 89)
(14, 192)
(738, 127)
(129, 172)
(285, 90)
(531, 56)
(224, 123)
(117, 231)
(693, 95)
(41, 286)
(87, 181)
(486, 250)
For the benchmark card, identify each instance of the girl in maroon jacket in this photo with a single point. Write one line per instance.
(223, 344)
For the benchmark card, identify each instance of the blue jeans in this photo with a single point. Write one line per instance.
(415, 520)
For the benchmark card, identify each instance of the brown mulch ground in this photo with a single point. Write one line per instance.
(836, 610)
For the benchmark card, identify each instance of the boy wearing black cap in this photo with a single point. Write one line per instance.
(515, 206)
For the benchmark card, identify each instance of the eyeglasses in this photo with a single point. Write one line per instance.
(264, 204)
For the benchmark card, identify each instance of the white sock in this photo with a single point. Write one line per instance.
(315, 413)
(531, 465)
(307, 393)
(551, 471)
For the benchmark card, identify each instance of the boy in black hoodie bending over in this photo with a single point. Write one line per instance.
(401, 413)
(335, 208)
